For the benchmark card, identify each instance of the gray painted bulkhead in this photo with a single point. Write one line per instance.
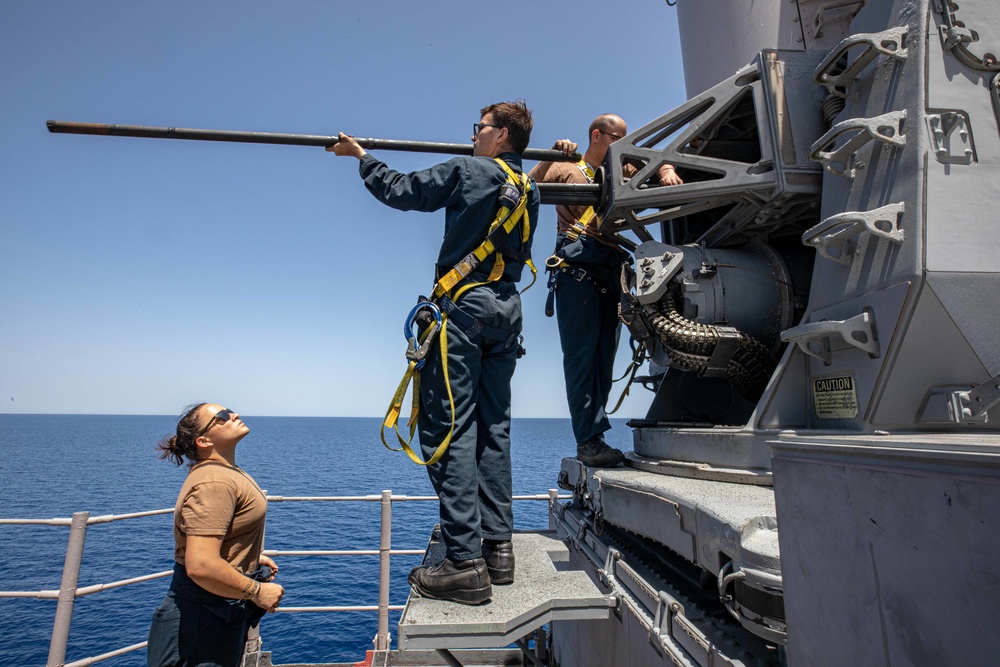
(884, 493)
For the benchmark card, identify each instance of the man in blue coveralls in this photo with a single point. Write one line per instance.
(473, 477)
(585, 285)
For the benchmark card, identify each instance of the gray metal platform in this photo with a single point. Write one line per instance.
(701, 520)
(540, 594)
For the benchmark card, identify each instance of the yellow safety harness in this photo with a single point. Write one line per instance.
(579, 226)
(513, 212)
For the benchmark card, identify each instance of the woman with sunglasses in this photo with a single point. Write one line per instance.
(221, 584)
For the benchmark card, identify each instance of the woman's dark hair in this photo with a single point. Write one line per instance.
(182, 444)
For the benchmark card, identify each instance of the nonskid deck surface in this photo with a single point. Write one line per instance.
(468, 658)
(693, 517)
(540, 593)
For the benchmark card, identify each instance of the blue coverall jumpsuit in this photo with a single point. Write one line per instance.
(473, 478)
(587, 313)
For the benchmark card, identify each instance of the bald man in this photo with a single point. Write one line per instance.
(587, 292)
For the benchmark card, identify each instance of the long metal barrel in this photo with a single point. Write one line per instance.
(571, 194)
(65, 127)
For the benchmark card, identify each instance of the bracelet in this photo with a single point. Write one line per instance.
(256, 591)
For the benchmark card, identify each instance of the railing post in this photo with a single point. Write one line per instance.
(252, 648)
(385, 544)
(67, 590)
(553, 502)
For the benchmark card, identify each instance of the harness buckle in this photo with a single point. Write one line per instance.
(554, 262)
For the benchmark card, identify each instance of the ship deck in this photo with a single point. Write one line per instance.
(541, 593)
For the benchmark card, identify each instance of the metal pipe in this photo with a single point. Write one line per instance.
(368, 607)
(104, 129)
(553, 502)
(346, 552)
(384, 546)
(374, 498)
(86, 662)
(571, 194)
(67, 590)
(526, 652)
(97, 588)
(108, 518)
(449, 658)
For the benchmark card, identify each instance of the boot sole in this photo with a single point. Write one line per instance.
(501, 577)
(600, 463)
(469, 596)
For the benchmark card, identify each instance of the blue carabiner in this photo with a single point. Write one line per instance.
(412, 350)
(408, 333)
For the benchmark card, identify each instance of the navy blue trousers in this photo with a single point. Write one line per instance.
(473, 478)
(587, 314)
(195, 628)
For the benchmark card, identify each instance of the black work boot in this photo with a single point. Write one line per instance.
(464, 581)
(499, 558)
(598, 454)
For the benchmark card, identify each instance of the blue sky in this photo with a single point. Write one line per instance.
(139, 275)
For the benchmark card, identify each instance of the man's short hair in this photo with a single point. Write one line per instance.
(606, 122)
(516, 117)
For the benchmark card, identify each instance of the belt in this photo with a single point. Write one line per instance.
(473, 327)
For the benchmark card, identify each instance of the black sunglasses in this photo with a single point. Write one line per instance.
(222, 416)
(610, 134)
(476, 126)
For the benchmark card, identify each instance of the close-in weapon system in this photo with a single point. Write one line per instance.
(815, 300)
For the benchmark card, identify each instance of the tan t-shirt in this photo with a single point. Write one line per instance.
(563, 172)
(570, 172)
(218, 500)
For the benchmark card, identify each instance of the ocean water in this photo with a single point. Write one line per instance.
(55, 465)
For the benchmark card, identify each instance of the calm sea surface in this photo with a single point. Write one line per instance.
(55, 465)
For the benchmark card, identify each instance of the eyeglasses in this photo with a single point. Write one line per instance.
(616, 136)
(477, 126)
(222, 416)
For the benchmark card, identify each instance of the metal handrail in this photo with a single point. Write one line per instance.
(69, 591)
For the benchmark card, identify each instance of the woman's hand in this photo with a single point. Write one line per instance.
(269, 596)
(266, 560)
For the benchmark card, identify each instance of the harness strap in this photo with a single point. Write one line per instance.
(412, 374)
(578, 274)
(506, 220)
(580, 226)
(632, 369)
(550, 299)
(504, 223)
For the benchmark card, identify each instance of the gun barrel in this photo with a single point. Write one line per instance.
(103, 129)
(571, 194)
